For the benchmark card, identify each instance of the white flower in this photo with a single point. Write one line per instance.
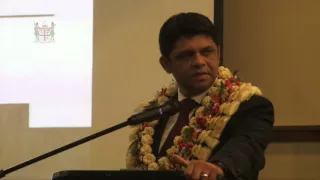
(134, 132)
(205, 153)
(148, 130)
(211, 142)
(146, 139)
(230, 108)
(235, 88)
(219, 126)
(153, 166)
(149, 158)
(224, 73)
(162, 100)
(211, 122)
(217, 83)
(145, 149)
(207, 101)
(193, 122)
(203, 135)
(164, 162)
(171, 90)
(246, 91)
(234, 94)
(196, 150)
(215, 90)
(199, 111)
(202, 153)
(172, 150)
(176, 140)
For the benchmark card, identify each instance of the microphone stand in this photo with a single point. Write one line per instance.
(3, 173)
(134, 120)
(164, 110)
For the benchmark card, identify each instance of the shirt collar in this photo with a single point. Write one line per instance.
(197, 98)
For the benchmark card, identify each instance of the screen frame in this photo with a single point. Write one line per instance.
(218, 22)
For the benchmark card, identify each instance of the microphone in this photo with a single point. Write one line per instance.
(167, 109)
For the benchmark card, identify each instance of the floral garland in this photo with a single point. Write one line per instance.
(201, 135)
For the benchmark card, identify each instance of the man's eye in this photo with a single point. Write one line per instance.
(207, 52)
(185, 55)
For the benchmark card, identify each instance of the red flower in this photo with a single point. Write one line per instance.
(194, 134)
(216, 107)
(201, 122)
(216, 99)
(228, 84)
(189, 144)
(182, 145)
(145, 125)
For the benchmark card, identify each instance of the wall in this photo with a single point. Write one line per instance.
(126, 72)
(274, 44)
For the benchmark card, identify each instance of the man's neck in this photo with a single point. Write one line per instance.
(197, 97)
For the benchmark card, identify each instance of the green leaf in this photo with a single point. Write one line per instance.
(235, 72)
(221, 90)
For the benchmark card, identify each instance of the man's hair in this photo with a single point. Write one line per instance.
(185, 25)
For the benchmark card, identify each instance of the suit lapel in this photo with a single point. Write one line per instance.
(159, 129)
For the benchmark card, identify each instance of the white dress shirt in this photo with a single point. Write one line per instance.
(173, 119)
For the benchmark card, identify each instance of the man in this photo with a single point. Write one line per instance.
(227, 125)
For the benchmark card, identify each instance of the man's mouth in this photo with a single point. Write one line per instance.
(200, 74)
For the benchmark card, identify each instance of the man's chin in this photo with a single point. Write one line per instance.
(204, 83)
(202, 86)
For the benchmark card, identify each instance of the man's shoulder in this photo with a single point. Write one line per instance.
(256, 102)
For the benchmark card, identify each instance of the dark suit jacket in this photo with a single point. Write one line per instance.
(243, 141)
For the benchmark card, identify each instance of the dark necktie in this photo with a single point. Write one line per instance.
(186, 106)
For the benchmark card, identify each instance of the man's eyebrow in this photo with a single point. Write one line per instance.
(207, 47)
(184, 51)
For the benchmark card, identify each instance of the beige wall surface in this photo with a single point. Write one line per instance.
(292, 161)
(260, 36)
(274, 44)
(126, 72)
(19, 143)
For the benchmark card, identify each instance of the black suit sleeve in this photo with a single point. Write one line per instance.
(245, 139)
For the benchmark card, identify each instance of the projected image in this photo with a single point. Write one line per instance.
(46, 60)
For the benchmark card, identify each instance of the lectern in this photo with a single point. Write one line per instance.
(118, 175)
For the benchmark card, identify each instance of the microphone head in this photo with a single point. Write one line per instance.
(171, 107)
(167, 109)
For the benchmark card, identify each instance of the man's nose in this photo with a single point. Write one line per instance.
(199, 59)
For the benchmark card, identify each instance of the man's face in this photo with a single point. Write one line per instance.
(194, 63)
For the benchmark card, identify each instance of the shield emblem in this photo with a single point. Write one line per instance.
(44, 33)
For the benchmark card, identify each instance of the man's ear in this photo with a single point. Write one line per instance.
(165, 64)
